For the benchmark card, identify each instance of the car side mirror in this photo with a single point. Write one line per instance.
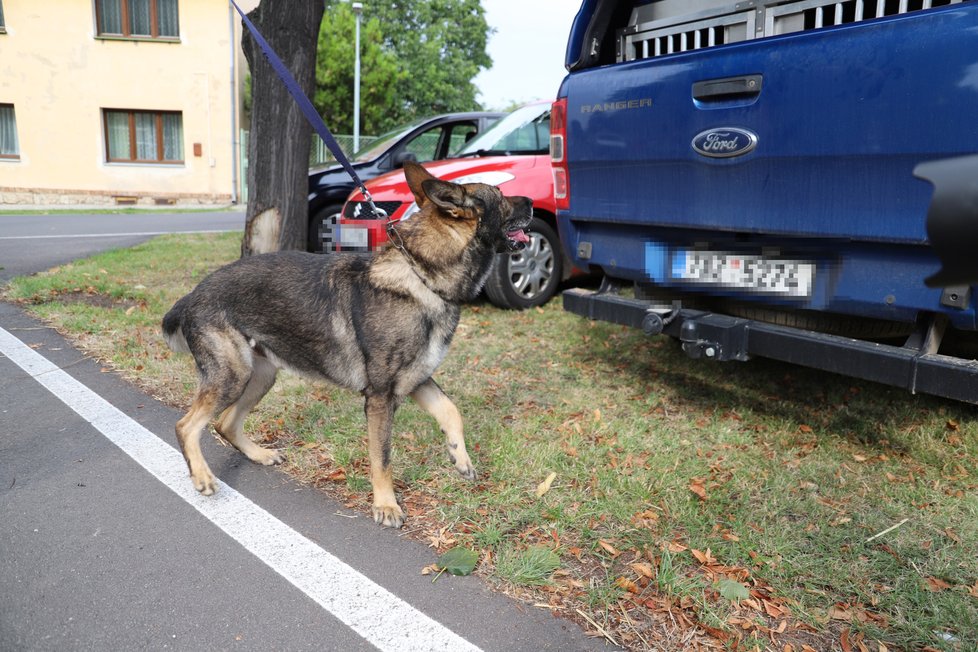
(401, 157)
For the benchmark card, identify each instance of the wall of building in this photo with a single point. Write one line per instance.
(60, 75)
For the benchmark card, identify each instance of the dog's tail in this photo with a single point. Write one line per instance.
(172, 331)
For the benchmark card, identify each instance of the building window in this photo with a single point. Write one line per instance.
(8, 133)
(3, 25)
(143, 136)
(138, 18)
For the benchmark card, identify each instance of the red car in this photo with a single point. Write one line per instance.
(515, 156)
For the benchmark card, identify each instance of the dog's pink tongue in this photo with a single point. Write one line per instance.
(519, 236)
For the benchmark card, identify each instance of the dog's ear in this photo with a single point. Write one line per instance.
(451, 198)
(416, 175)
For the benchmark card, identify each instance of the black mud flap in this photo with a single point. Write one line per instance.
(952, 219)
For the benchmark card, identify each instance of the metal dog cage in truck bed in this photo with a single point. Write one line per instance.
(758, 175)
(673, 26)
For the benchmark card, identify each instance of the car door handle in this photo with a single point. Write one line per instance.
(728, 88)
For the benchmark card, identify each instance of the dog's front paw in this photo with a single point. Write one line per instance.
(466, 470)
(463, 465)
(205, 483)
(389, 515)
(267, 457)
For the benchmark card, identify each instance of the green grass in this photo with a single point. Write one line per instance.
(532, 566)
(780, 472)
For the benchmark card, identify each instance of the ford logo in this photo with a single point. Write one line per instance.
(724, 142)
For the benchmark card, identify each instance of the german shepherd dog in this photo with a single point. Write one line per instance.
(377, 324)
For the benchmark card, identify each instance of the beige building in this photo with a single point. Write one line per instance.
(106, 102)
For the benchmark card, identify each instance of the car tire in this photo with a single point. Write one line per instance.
(322, 229)
(530, 277)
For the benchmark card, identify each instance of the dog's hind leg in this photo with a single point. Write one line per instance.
(188, 430)
(380, 423)
(434, 401)
(224, 365)
(231, 424)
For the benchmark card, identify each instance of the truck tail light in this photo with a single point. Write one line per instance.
(558, 153)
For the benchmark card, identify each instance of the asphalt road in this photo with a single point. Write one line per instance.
(35, 241)
(103, 548)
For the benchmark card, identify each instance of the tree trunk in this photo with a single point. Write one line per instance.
(278, 150)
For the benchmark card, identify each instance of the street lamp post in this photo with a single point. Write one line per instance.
(357, 10)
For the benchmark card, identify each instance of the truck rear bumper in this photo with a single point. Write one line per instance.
(721, 337)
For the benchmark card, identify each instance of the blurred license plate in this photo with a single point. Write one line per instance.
(793, 278)
(352, 237)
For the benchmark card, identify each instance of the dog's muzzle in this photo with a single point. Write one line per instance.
(517, 240)
(516, 236)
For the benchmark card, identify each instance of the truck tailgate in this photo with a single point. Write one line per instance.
(839, 122)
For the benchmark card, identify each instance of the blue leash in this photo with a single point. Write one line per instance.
(309, 111)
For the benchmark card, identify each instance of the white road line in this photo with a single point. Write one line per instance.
(374, 613)
(108, 235)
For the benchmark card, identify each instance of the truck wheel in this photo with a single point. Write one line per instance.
(530, 277)
(322, 229)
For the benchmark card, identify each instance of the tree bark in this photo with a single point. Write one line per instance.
(278, 149)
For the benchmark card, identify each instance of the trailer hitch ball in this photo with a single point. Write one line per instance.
(652, 324)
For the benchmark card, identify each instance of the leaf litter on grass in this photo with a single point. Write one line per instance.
(674, 481)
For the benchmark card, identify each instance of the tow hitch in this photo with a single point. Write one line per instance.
(915, 366)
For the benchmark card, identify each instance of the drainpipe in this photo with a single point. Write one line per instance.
(235, 145)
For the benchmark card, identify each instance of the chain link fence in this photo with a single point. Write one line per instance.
(319, 155)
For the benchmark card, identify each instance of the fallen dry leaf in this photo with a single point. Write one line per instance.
(675, 546)
(643, 569)
(337, 475)
(839, 613)
(544, 486)
(696, 486)
(610, 549)
(440, 539)
(645, 519)
(935, 584)
(773, 610)
(627, 584)
(844, 641)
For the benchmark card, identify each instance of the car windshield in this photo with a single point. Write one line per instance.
(524, 131)
(383, 142)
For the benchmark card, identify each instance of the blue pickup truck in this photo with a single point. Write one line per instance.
(754, 179)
